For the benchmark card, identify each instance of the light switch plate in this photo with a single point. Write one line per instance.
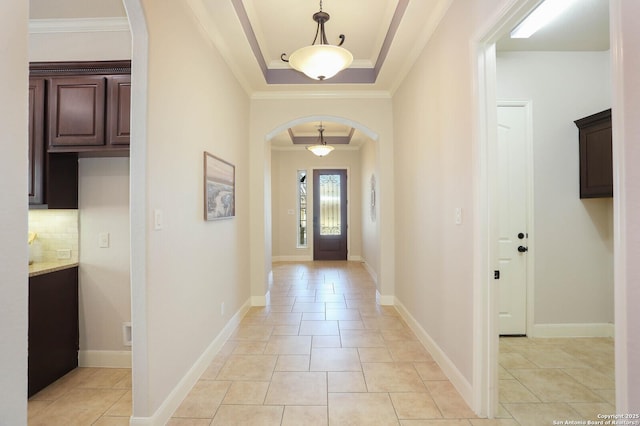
(157, 219)
(103, 240)
(458, 215)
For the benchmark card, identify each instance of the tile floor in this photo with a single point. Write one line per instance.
(85, 396)
(324, 353)
(542, 380)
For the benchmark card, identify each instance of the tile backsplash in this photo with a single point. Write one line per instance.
(56, 230)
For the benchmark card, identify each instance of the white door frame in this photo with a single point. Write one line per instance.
(530, 257)
(485, 336)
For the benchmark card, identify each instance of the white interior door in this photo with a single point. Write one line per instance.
(513, 195)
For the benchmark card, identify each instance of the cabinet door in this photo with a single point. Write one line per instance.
(76, 111)
(53, 327)
(36, 141)
(62, 180)
(118, 109)
(596, 162)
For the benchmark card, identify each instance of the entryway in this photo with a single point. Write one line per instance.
(330, 214)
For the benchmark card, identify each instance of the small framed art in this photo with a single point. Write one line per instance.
(219, 188)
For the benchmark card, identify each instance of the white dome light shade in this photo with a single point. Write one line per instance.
(320, 150)
(320, 61)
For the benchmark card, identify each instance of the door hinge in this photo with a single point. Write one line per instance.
(496, 275)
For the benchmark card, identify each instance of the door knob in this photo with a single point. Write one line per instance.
(523, 249)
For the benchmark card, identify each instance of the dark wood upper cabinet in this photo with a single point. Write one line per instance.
(87, 106)
(62, 180)
(118, 109)
(596, 160)
(36, 141)
(76, 111)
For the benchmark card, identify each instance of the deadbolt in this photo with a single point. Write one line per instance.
(520, 236)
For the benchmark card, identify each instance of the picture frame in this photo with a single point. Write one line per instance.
(219, 188)
(373, 198)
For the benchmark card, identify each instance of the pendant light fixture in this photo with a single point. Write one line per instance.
(320, 61)
(321, 148)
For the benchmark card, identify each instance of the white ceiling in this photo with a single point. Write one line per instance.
(282, 26)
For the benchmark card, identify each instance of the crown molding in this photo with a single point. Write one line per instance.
(79, 25)
(333, 94)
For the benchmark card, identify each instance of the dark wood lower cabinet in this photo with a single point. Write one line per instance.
(53, 327)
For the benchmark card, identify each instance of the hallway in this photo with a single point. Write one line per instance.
(323, 352)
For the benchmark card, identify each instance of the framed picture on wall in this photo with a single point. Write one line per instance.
(219, 188)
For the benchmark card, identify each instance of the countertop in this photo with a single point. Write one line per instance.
(39, 268)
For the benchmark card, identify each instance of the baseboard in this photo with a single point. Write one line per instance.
(573, 330)
(371, 271)
(261, 300)
(301, 258)
(175, 398)
(447, 366)
(306, 258)
(104, 359)
(385, 300)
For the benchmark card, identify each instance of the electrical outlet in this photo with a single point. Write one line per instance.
(63, 253)
(126, 333)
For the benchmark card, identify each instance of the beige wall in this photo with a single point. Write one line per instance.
(285, 165)
(52, 43)
(105, 290)
(433, 118)
(80, 46)
(573, 238)
(192, 266)
(44, 9)
(369, 214)
(14, 73)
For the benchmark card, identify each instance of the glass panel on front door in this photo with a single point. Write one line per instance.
(330, 220)
(302, 208)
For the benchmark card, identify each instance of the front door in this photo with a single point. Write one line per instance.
(329, 215)
(513, 209)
